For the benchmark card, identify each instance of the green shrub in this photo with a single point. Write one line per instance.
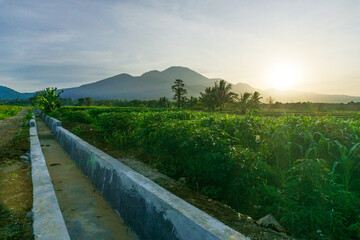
(304, 170)
(79, 117)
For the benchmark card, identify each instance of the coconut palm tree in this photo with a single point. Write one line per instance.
(224, 94)
(208, 98)
(255, 100)
(244, 101)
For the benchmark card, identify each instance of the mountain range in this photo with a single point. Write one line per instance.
(155, 84)
(8, 93)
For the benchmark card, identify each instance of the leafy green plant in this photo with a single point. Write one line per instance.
(47, 100)
(302, 169)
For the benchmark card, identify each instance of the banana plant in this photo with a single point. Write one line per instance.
(47, 100)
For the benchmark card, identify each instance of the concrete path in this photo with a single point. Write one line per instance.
(86, 213)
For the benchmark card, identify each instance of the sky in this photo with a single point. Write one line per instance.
(72, 42)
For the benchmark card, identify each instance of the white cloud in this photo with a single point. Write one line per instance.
(83, 41)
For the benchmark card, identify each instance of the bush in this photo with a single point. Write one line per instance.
(47, 100)
(79, 117)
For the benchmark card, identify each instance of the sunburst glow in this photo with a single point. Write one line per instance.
(284, 76)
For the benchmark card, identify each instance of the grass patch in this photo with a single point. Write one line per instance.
(8, 111)
(15, 188)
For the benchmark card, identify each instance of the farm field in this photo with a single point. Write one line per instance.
(8, 111)
(337, 114)
(304, 170)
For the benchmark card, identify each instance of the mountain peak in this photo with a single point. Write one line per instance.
(185, 74)
(150, 73)
(178, 69)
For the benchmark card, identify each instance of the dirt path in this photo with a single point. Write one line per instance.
(15, 180)
(10, 127)
(86, 213)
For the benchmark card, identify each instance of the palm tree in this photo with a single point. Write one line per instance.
(255, 100)
(208, 98)
(244, 101)
(223, 94)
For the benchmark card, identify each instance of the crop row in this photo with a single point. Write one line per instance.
(304, 170)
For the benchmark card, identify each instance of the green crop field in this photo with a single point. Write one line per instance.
(8, 111)
(302, 169)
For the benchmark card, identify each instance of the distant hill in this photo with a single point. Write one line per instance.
(8, 93)
(156, 84)
(150, 85)
(297, 96)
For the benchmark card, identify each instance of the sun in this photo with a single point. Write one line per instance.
(284, 76)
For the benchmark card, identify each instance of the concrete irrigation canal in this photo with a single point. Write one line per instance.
(86, 213)
(82, 193)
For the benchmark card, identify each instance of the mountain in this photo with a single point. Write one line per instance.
(297, 96)
(243, 87)
(150, 85)
(156, 84)
(8, 93)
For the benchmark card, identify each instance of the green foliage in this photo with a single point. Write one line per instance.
(255, 100)
(47, 100)
(302, 169)
(192, 102)
(307, 192)
(179, 92)
(248, 101)
(218, 96)
(164, 102)
(244, 102)
(8, 111)
(354, 229)
(28, 116)
(79, 117)
(89, 101)
(81, 102)
(208, 98)
(223, 94)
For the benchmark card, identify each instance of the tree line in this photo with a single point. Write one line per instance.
(217, 96)
(214, 97)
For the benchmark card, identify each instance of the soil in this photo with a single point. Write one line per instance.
(142, 163)
(15, 179)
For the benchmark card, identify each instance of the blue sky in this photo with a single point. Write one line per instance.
(69, 43)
